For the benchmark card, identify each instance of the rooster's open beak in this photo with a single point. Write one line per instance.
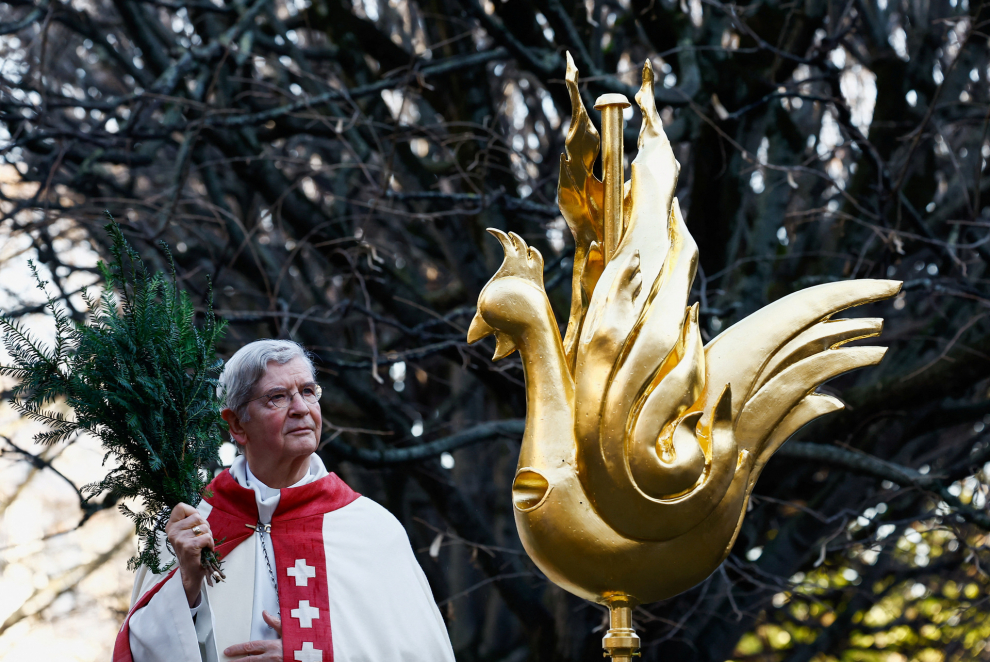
(504, 345)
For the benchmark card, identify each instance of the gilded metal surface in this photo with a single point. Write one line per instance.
(642, 444)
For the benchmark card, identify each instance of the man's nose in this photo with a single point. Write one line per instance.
(297, 406)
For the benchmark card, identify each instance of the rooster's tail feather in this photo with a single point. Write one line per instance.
(818, 338)
(765, 411)
(756, 350)
(808, 409)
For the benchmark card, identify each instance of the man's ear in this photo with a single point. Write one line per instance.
(237, 431)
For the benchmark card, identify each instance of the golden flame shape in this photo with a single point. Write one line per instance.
(642, 444)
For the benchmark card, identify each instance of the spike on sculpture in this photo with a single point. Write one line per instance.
(642, 444)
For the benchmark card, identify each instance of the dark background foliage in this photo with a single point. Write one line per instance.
(332, 166)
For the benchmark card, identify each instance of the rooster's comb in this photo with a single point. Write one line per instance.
(521, 260)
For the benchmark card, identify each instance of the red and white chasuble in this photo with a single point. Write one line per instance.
(349, 587)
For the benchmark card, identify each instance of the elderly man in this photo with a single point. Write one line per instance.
(315, 572)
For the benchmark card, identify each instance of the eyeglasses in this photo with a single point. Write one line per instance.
(280, 397)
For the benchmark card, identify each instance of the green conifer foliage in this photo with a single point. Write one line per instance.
(140, 376)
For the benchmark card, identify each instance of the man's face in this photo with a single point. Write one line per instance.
(273, 436)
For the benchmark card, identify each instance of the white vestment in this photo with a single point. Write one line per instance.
(381, 608)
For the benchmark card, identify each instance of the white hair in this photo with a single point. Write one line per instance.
(249, 364)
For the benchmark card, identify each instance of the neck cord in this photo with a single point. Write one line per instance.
(262, 530)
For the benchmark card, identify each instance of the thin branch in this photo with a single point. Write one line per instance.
(512, 428)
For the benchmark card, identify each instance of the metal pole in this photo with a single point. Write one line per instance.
(621, 642)
(613, 176)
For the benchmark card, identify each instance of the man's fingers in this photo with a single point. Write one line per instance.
(184, 539)
(188, 539)
(197, 543)
(205, 541)
(195, 519)
(274, 622)
(204, 529)
(181, 511)
(249, 648)
(187, 522)
(173, 530)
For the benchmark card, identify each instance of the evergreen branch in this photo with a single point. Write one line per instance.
(139, 376)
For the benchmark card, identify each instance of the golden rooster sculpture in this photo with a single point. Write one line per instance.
(642, 444)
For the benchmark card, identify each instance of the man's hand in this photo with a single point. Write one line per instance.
(187, 545)
(267, 650)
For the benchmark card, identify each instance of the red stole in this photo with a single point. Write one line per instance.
(299, 559)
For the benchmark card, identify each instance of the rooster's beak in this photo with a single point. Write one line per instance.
(479, 329)
(504, 345)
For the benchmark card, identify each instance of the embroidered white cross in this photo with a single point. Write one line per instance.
(305, 614)
(309, 654)
(301, 572)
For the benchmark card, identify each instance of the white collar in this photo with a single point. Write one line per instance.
(266, 497)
